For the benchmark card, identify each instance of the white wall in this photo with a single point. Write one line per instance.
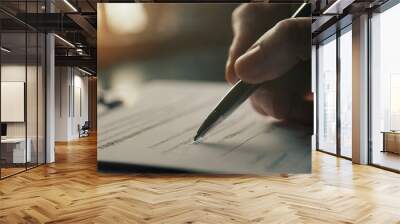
(12, 73)
(69, 112)
(62, 81)
(12, 101)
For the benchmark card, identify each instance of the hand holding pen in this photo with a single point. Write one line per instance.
(279, 56)
(272, 68)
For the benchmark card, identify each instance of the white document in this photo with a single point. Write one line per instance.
(157, 132)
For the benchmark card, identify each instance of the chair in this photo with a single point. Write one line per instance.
(84, 130)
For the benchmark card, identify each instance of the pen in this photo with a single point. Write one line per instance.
(233, 99)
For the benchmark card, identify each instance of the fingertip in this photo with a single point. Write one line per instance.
(247, 66)
(230, 73)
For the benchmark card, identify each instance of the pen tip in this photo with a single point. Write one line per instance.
(197, 139)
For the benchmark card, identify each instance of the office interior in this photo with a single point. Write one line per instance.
(48, 70)
(48, 79)
(25, 62)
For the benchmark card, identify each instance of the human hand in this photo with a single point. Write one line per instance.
(279, 59)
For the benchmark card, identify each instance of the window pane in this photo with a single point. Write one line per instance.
(327, 96)
(385, 88)
(345, 94)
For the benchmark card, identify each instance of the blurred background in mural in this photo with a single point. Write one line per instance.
(139, 42)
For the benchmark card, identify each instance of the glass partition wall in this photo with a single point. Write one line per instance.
(13, 90)
(22, 98)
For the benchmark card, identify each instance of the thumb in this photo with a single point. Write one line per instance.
(276, 52)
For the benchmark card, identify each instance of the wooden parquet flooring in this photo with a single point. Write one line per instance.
(71, 191)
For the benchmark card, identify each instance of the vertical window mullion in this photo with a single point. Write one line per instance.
(369, 77)
(37, 90)
(338, 91)
(26, 86)
(317, 97)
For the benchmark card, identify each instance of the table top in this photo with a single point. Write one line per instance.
(391, 132)
(13, 140)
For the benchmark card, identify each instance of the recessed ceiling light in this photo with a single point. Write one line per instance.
(299, 10)
(64, 40)
(70, 5)
(335, 7)
(84, 71)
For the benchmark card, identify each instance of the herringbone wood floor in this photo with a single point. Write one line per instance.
(71, 191)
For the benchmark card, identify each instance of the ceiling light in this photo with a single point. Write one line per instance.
(5, 50)
(299, 10)
(70, 5)
(65, 41)
(80, 51)
(337, 7)
(84, 71)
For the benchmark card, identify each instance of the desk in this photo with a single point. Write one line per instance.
(17, 152)
(391, 141)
